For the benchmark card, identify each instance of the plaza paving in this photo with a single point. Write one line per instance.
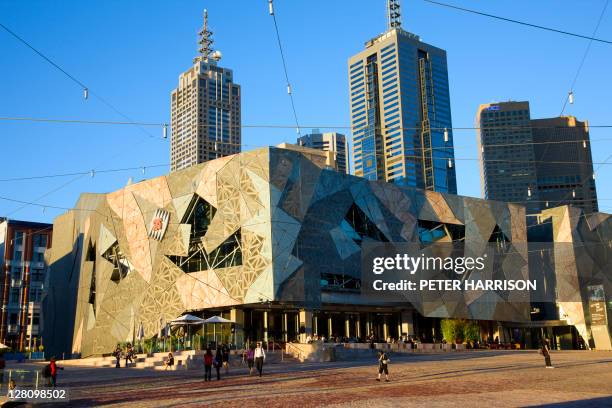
(501, 379)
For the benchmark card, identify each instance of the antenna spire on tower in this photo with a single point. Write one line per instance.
(205, 41)
(394, 17)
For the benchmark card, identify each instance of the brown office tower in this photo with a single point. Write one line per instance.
(564, 165)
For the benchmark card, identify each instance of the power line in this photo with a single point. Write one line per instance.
(43, 56)
(78, 121)
(86, 172)
(280, 48)
(282, 126)
(143, 168)
(86, 89)
(519, 22)
(584, 56)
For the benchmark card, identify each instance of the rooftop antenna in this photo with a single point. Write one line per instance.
(205, 41)
(394, 17)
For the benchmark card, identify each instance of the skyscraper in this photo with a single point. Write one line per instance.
(205, 109)
(540, 163)
(400, 110)
(329, 142)
(564, 165)
(507, 162)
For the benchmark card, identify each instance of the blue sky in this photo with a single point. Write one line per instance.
(132, 52)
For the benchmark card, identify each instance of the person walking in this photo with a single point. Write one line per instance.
(225, 351)
(260, 356)
(383, 365)
(545, 351)
(208, 362)
(117, 354)
(53, 371)
(129, 352)
(250, 359)
(218, 363)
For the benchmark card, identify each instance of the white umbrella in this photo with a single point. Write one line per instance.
(3, 346)
(162, 327)
(186, 320)
(141, 333)
(214, 320)
(217, 319)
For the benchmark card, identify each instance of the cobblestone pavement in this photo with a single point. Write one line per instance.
(501, 379)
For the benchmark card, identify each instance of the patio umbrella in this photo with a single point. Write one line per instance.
(187, 320)
(3, 346)
(162, 327)
(140, 335)
(214, 320)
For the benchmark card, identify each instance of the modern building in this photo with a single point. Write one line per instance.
(541, 163)
(23, 274)
(507, 158)
(330, 142)
(205, 119)
(400, 110)
(272, 239)
(564, 166)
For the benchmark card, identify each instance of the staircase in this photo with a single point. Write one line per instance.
(183, 360)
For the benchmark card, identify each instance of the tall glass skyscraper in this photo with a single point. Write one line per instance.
(400, 112)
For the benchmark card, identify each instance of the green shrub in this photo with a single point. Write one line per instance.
(449, 330)
(471, 331)
(459, 330)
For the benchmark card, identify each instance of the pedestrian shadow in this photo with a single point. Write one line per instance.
(591, 402)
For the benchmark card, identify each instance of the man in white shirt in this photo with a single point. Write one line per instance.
(260, 356)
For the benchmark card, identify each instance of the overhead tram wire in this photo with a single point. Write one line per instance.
(143, 168)
(584, 57)
(274, 126)
(86, 90)
(282, 54)
(519, 22)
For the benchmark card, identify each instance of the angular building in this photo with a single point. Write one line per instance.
(540, 163)
(329, 142)
(507, 158)
(400, 110)
(205, 117)
(272, 240)
(23, 273)
(564, 166)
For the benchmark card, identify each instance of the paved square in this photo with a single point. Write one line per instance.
(501, 379)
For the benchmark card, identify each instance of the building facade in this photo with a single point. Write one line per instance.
(564, 165)
(540, 163)
(329, 142)
(400, 112)
(507, 160)
(205, 109)
(23, 276)
(271, 240)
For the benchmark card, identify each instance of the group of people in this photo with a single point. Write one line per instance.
(129, 354)
(252, 356)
